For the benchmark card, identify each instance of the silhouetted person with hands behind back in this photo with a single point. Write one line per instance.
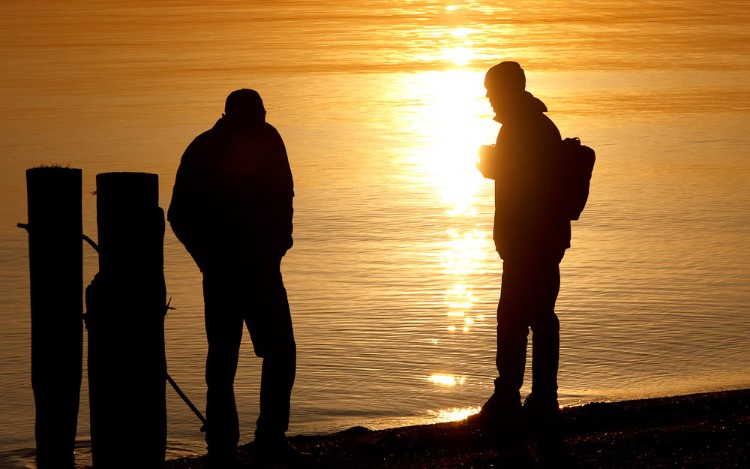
(232, 209)
(531, 233)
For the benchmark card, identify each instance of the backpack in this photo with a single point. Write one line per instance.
(578, 163)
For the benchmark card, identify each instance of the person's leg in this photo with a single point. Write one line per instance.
(545, 328)
(224, 334)
(541, 410)
(512, 329)
(501, 414)
(270, 324)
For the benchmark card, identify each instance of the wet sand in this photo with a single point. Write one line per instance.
(702, 430)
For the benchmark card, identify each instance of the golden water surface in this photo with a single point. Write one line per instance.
(393, 280)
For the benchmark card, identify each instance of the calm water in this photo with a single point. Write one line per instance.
(393, 279)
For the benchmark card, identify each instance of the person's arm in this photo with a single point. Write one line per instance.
(186, 206)
(286, 198)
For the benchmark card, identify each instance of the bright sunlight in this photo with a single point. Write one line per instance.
(450, 119)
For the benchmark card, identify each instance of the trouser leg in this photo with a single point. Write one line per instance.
(270, 327)
(275, 393)
(545, 328)
(528, 294)
(512, 333)
(224, 334)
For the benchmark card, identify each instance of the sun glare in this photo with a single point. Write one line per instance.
(461, 50)
(447, 380)
(466, 252)
(458, 55)
(450, 123)
(456, 413)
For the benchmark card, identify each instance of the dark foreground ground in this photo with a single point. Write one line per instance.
(701, 430)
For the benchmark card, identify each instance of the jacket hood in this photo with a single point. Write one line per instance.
(525, 103)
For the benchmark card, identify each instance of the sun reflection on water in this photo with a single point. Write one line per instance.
(447, 380)
(465, 252)
(462, 52)
(462, 257)
(456, 413)
(449, 127)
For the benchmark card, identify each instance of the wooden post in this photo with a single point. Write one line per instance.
(126, 304)
(56, 271)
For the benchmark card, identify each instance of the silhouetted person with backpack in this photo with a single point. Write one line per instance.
(531, 234)
(232, 209)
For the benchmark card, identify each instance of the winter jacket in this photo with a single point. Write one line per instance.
(529, 219)
(232, 198)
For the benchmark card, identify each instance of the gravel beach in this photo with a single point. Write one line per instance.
(709, 430)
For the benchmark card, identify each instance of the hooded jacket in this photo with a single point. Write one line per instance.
(232, 198)
(529, 218)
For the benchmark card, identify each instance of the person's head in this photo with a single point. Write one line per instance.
(504, 82)
(244, 108)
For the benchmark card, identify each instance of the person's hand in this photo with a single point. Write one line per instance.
(486, 160)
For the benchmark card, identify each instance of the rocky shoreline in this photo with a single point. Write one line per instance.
(709, 430)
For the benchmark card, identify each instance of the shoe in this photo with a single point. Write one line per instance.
(500, 411)
(542, 417)
(537, 407)
(501, 422)
(277, 452)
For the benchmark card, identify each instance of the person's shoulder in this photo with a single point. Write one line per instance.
(550, 126)
(201, 145)
(537, 120)
(531, 129)
(209, 134)
(204, 137)
(272, 135)
(271, 130)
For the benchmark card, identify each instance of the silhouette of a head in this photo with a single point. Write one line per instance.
(243, 101)
(244, 109)
(505, 83)
(506, 77)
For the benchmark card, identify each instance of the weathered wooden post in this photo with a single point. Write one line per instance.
(56, 282)
(126, 304)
